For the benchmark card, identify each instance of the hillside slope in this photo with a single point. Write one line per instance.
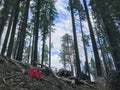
(15, 76)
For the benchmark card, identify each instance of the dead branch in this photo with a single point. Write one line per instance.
(65, 79)
(17, 63)
(3, 59)
(8, 77)
(85, 83)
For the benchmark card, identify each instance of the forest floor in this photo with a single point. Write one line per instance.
(13, 78)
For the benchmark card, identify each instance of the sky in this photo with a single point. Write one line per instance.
(63, 25)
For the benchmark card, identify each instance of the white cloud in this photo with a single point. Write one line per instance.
(60, 6)
(55, 62)
(63, 25)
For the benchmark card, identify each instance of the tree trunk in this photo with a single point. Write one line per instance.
(16, 12)
(111, 30)
(96, 54)
(102, 45)
(7, 35)
(32, 52)
(75, 42)
(43, 48)
(23, 32)
(113, 36)
(35, 45)
(29, 49)
(50, 48)
(84, 46)
(16, 45)
(70, 60)
(4, 16)
(104, 56)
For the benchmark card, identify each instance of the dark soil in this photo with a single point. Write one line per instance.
(12, 78)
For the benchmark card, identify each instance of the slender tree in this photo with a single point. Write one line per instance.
(105, 13)
(75, 41)
(96, 54)
(81, 14)
(66, 51)
(50, 46)
(18, 29)
(47, 17)
(46, 53)
(36, 28)
(16, 12)
(7, 35)
(4, 15)
(23, 32)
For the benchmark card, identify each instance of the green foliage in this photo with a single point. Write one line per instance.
(47, 16)
(67, 49)
(107, 18)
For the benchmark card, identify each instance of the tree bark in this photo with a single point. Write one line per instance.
(50, 48)
(75, 42)
(7, 35)
(23, 32)
(96, 54)
(43, 48)
(85, 49)
(16, 12)
(35, 37)
(4, 17)
(111, 30)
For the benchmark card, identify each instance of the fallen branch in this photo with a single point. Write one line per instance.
(8, 77)
(3, 59)
(66, 79)
(16, 63)
(87, 84)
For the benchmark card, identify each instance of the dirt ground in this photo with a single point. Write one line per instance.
(11, 78)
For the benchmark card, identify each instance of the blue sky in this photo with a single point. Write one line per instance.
(63, 25)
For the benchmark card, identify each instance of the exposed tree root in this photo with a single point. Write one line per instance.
(43, 68)
(66, 79)
(4, 79)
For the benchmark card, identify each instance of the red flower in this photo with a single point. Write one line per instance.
(35, 73)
